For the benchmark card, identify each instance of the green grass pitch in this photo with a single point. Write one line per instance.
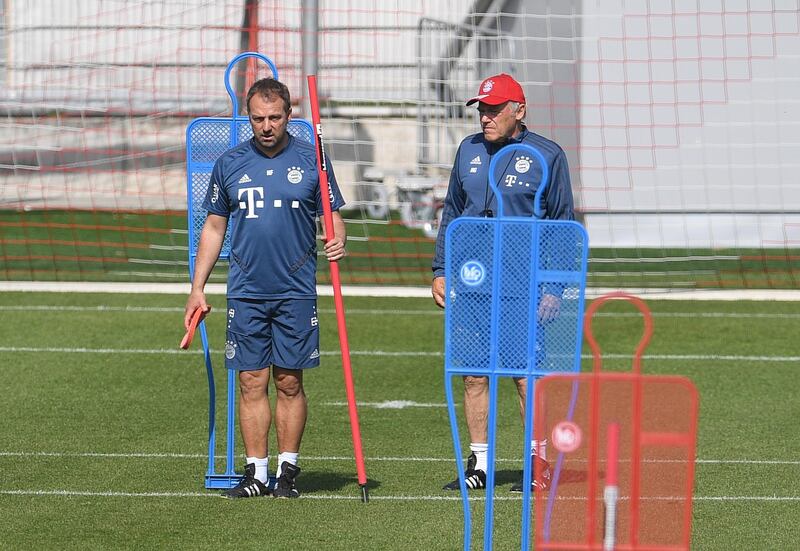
(103, 438)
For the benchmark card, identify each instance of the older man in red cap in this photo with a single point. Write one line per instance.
(501, 111)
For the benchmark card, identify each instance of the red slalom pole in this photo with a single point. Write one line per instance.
(337, 291)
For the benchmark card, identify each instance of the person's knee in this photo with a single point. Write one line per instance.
(253, 384)
(476, 386)
(289, 385)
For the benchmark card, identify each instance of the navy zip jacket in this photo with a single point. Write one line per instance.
(469, 194)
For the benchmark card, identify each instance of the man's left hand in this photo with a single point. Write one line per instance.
(549, 307)
(334, 249)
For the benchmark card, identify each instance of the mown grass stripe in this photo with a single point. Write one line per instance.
(400, 353)
(372, 497)
(324, 458)
(376, 312)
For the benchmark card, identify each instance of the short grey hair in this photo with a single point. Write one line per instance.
(515, 107)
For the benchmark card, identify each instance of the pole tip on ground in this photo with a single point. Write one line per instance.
(364, 494)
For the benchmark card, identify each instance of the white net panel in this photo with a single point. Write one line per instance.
(681, 126)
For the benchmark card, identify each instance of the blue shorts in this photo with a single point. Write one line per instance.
(261, 333)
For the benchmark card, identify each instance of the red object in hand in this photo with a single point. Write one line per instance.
(196, 318)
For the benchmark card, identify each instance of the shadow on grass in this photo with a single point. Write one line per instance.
(311, 482)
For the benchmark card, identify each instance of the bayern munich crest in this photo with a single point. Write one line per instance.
(523, 164)
(487, 86)
(295, 175)
(230, 350)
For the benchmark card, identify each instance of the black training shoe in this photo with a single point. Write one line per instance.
(285, 486)
(249, 485)
(541, 479)
(475, 478)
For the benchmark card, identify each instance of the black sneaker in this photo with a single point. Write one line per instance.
(249, 485)
(541, 479)
(285, 486)
(475, 478)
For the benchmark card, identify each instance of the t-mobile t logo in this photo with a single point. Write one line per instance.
(251, 202)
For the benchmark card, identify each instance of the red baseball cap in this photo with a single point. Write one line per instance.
(499, 89)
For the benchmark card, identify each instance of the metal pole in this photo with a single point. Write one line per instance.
(310, 47)
(248, 42)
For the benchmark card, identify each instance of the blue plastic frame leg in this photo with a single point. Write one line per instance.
(451, 409)
(229, 478)
(229, 460)
(488, 526)
(212, 400)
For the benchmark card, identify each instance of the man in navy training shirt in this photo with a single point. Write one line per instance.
(268, 190)
(501, 110)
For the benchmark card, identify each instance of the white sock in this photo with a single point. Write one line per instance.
(291, 457)
(539, 447)
(480, 451)
(262, 467)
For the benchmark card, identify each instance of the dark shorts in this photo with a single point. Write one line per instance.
(281, 332)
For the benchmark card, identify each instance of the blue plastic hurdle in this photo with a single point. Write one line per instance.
(497, 270)
(207, 138)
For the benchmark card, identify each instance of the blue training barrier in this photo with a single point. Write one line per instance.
(207, 138)
(497, 270)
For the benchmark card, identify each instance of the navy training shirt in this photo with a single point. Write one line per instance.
(271, 205)
(469, 194)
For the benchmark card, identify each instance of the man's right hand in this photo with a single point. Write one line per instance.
(197, 299)
(437, 290)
